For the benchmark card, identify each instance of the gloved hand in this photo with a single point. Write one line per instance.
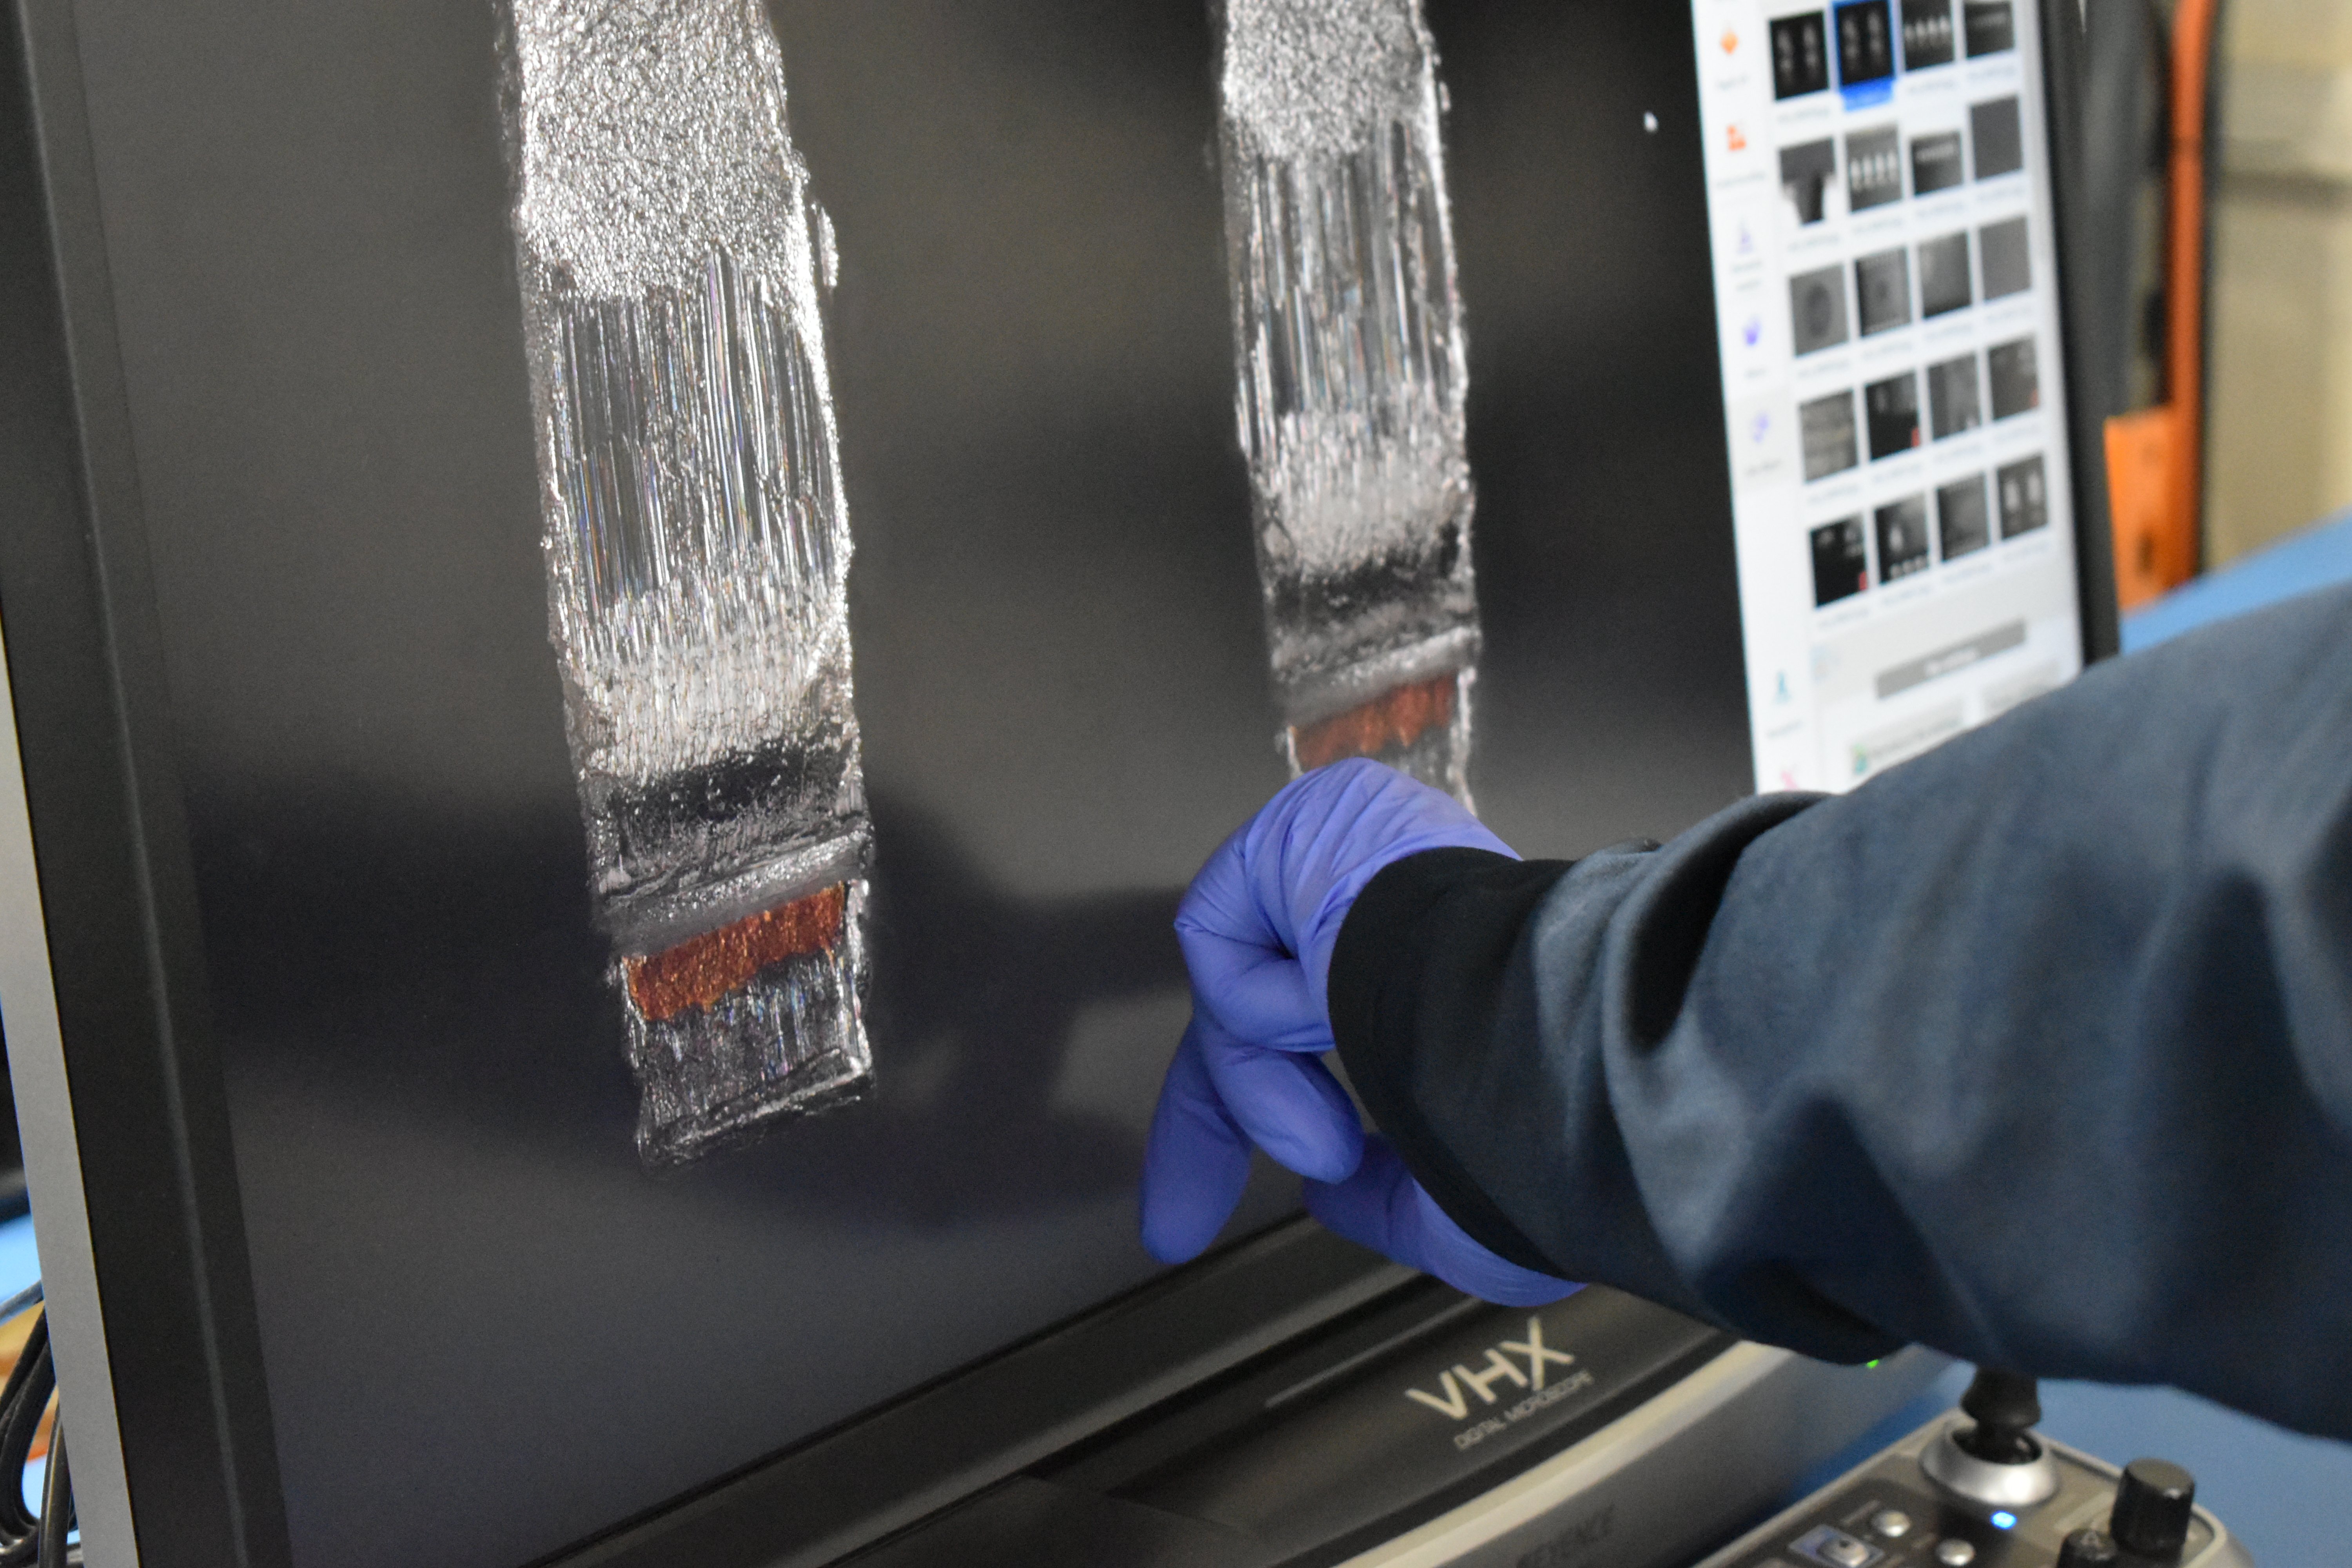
(1382, 1207)
(1258, 927)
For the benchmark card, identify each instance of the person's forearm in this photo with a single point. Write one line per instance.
(2038, 1049)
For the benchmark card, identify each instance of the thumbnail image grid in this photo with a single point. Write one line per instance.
(1907, 536)
(1935, 528)
(1876, 165)
(1819, 314)
(1857, 50)
(1832, 440)
(1854, 46)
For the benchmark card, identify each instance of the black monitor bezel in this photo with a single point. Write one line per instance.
(165, 1233)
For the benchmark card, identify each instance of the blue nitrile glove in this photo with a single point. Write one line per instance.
(1257, 928)
(1382, 1207)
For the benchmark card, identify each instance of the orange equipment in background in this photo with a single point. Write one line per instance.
(2155, 457)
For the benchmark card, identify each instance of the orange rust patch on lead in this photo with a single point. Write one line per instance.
(696, 973)
(1398, 718)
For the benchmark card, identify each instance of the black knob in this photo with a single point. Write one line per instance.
(2088, 1548)
(2006, 1407)
(2152, 1508)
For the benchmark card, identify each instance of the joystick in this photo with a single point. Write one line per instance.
(1997, 1461)
(2006, 1407)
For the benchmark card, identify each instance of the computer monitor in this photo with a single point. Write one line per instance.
(329, 1116)
(1887, 280)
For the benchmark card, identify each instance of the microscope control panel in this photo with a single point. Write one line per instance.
(1978, 1489)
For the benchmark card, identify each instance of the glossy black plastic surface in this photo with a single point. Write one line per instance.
(1312, 1456)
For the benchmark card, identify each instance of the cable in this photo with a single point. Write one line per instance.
(22, 1399)
(27, 1542)
(56, 1506)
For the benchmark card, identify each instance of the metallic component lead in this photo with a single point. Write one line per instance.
(1348, 330)
(698, 550)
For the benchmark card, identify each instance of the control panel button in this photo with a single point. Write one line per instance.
(2088, 1548)
(2152, 1508)
(1835, 1548)
(1955, 1553)
(1890, 1522)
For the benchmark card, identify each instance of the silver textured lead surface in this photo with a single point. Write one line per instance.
(1349, 347)
(1307, 77)
(650, 133)
(696, 538)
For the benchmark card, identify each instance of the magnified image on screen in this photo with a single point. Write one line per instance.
(697, 552)
(1349, 339)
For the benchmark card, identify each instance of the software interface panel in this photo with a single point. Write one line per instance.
(1880, 199)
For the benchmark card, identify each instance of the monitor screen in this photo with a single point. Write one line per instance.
(496, 1318)
(1880, 193)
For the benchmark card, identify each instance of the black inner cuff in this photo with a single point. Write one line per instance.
(1415, 977)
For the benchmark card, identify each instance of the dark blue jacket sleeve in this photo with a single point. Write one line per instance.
(2037, 1049)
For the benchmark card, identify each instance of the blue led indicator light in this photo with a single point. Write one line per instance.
(2004, 1519)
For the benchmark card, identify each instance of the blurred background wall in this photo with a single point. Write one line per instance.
(2280, 444)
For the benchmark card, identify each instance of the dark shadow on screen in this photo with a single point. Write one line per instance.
(977, 999)
(441, 972)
